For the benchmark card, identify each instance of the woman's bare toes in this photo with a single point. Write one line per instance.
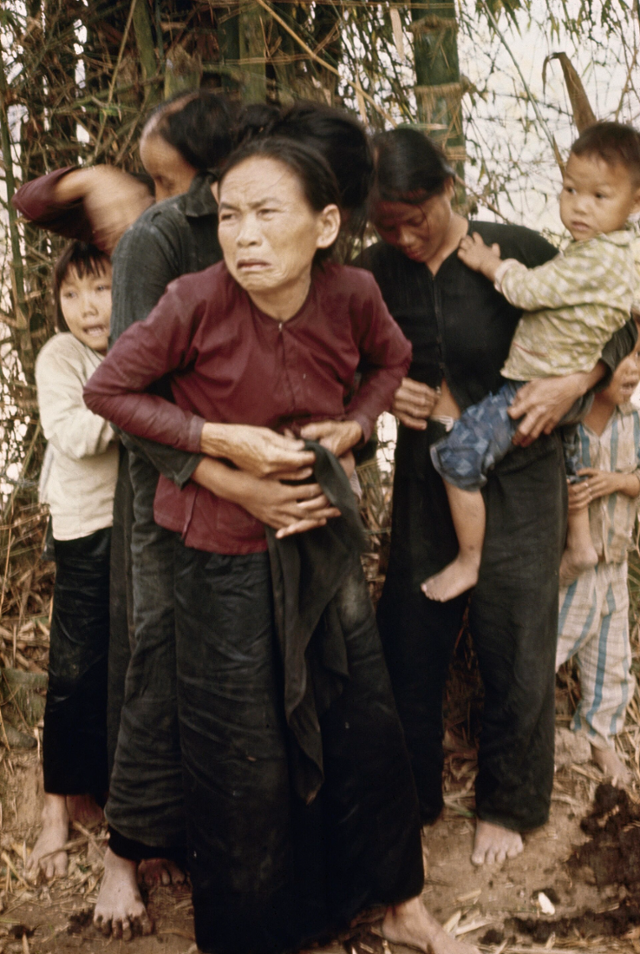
(120, 910)
(154, 871)
(48, 855)
(493, 844)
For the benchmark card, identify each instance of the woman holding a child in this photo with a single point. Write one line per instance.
(461, 330)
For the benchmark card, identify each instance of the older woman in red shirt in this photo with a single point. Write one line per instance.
(278, 854)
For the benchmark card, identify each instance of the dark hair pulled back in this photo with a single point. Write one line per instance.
(409, 167)
(85, 259)
(198, 124)
(340, 139)
(312, 170)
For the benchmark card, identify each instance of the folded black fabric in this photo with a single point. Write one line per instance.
(307, 571)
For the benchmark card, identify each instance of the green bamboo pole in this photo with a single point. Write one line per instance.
(438, 86)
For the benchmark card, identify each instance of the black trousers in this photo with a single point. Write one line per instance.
(268, 871)
(512, 615)
(75, 728)
(146, 801)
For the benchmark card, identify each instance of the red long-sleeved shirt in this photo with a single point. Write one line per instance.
(231, 363)
(37, 202)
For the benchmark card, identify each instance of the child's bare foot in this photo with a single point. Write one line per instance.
(454, 580)
(84, 809)
(575, 561)
(611, 764)
(412, 925)
(494, 844)
(119, 910)
(48, 853)
(153, 871)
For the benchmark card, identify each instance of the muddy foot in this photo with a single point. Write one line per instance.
(153, 871)
(574, 562)
(611, 764)
(493, 844)
(119, 910)
(48, 853)
(453, 581)
(411, 924)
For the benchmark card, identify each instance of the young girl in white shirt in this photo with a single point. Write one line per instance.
(79, 485)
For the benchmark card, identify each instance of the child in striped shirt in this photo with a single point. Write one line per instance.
(594, 609)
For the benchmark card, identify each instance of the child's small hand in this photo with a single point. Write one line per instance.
(579, 497)
(478, 256)
(601, 483)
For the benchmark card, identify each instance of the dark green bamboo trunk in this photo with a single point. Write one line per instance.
(438, 87)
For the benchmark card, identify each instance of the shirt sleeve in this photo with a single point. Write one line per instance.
(385, 359)
(36, 201)
(68, 424)
(144, 263)
(589, 275)
(616, 350)
(143, 354)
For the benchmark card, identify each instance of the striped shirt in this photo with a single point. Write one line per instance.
(617, 450)
(573, 305)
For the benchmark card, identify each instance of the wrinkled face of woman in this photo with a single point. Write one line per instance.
(418, 231)
(268, 232)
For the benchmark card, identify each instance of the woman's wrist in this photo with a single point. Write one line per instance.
(214, 440)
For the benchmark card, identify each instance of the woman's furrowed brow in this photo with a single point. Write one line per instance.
(252, 205)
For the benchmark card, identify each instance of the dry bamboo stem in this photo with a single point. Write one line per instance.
(327, 66)
(113, 78)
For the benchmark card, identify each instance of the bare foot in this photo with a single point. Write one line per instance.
(494, 844)
(411, 924)
(611, 764)
(153, 871)
(575, 561)
(119, 909)
(48, 853)
(454, 580)
(84, 809)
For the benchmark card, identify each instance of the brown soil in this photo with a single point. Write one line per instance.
(496, 907)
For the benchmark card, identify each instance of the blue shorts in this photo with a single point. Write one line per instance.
(483, 436)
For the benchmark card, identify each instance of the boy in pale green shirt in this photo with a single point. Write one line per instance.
(573, 305)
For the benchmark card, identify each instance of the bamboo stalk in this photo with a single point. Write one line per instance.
(327, 66)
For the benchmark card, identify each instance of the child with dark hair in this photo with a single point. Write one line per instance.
(573, 305)
(79, 480)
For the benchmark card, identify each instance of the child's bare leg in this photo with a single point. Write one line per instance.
(469, 518)
(611, 764)
(48, 853)
(579, 554)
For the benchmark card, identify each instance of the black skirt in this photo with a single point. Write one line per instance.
(75, 719)
(269, 871)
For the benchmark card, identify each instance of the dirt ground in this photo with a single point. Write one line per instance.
(478, 904)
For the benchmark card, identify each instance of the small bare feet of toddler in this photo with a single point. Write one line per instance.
(453, 581)
(612, 765)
